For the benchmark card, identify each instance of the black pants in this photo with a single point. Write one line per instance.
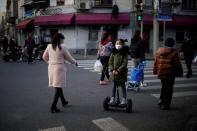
(30, 54)
(58, 93)
(167, 91)
(188, 62)
(122, 84)
(105, 62)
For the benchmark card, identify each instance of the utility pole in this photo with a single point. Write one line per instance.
(155, 27)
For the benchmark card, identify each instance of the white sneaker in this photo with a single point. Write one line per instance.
(112, 100)
(123, 102)
(143, 84)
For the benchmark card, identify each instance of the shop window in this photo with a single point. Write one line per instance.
(148, 4)
(103, 3)
(60, 2)
(189, 4)
(93, 33)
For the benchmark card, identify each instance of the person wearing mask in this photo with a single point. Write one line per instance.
(104, 52)
(137, 52)
(118, 67)
(167, 66)
(55, 56)
(188, 49)
(30, 44)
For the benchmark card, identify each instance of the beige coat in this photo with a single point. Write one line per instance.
(56, 65)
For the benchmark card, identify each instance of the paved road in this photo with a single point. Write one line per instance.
(25, 101)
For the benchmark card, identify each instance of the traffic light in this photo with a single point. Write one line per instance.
(139, 10)
(139, 17)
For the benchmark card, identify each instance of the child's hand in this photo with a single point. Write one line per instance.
(115, 72)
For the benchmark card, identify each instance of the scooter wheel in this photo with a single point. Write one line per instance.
(105, 103)
(129, 106)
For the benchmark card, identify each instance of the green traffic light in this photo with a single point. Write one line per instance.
(139, 17)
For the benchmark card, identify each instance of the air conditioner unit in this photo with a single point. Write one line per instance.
(177, 1)
(84, 5)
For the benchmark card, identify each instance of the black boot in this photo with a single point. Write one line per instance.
(54, 109)
(64, 102)
(160, 103)
(55, 100)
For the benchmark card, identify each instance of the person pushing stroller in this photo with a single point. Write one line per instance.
(118, 68)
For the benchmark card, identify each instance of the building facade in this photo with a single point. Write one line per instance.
(81, 21)
(184, 19)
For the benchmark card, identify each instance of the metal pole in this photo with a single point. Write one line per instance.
(155, 28)
(141, 29)
(164, 31)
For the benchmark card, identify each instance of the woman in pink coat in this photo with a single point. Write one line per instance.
(55, 55)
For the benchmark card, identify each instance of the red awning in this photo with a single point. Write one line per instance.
(64, 19)
(177, 20)
(25, 24)
(148, 19)
(102, 18)
(184, 21)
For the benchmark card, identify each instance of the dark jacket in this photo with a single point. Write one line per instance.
(137, 48)
(12, 45)
(167, 63)
(118, 61)
(188, 48)
(30, 43)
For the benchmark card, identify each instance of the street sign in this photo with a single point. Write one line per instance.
(162, 17)
(165, 11)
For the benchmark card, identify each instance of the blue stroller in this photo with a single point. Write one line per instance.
(136, 77)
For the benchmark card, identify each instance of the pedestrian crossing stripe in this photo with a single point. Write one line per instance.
(175, 86)
(149, 77)
(179, 94)
(131, 67)
(109, 124)
(60, 128)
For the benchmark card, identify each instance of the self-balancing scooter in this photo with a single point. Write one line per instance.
(127, 106)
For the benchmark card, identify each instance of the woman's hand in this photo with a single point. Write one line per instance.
(76, 64)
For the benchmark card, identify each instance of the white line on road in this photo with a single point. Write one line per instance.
(179, 94)
(60, 128)
(109, 124)
(175, 86)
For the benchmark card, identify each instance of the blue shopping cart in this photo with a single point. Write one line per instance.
(136, 76)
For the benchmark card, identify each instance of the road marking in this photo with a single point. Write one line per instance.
(60, 128)
(175, 86)
(179, 94)
(109, 124)
(177, 79)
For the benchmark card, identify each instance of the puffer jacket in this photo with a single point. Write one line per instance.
(167, 63)
(118, 61)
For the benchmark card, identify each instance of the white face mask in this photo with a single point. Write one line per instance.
(118, 47)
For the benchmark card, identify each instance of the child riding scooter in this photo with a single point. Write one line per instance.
(118, 67)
